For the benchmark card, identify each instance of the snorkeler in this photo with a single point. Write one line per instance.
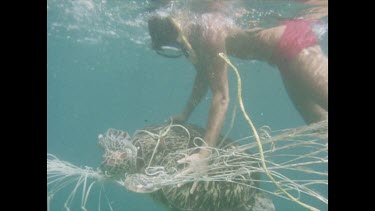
(291, 46)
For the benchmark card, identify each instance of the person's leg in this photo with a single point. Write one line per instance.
(310, 110)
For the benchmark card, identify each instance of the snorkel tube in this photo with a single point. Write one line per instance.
(190, 53)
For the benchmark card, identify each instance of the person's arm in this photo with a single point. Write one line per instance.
(217, 78)
(218, 81)
(211, 44)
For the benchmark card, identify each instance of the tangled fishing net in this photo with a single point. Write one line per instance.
(159, 149)
(233, 178)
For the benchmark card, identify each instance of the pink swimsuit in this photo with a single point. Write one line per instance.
(296, 37)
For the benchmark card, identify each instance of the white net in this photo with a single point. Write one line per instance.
(232, 178)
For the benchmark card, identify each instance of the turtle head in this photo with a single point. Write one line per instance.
(120, 155)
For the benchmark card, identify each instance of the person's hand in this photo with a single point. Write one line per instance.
(198, 166)
(179, 118)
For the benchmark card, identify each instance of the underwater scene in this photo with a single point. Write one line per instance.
(187, 105)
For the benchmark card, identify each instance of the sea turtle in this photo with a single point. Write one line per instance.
(149, 158)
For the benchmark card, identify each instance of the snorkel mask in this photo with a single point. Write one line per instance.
(174, 50)
(168, 39)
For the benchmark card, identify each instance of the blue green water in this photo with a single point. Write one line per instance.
(102, 74)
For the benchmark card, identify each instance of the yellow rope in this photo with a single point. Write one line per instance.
(183, 40)
(239, 92)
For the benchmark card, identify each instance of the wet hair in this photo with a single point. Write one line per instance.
(161, 31)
